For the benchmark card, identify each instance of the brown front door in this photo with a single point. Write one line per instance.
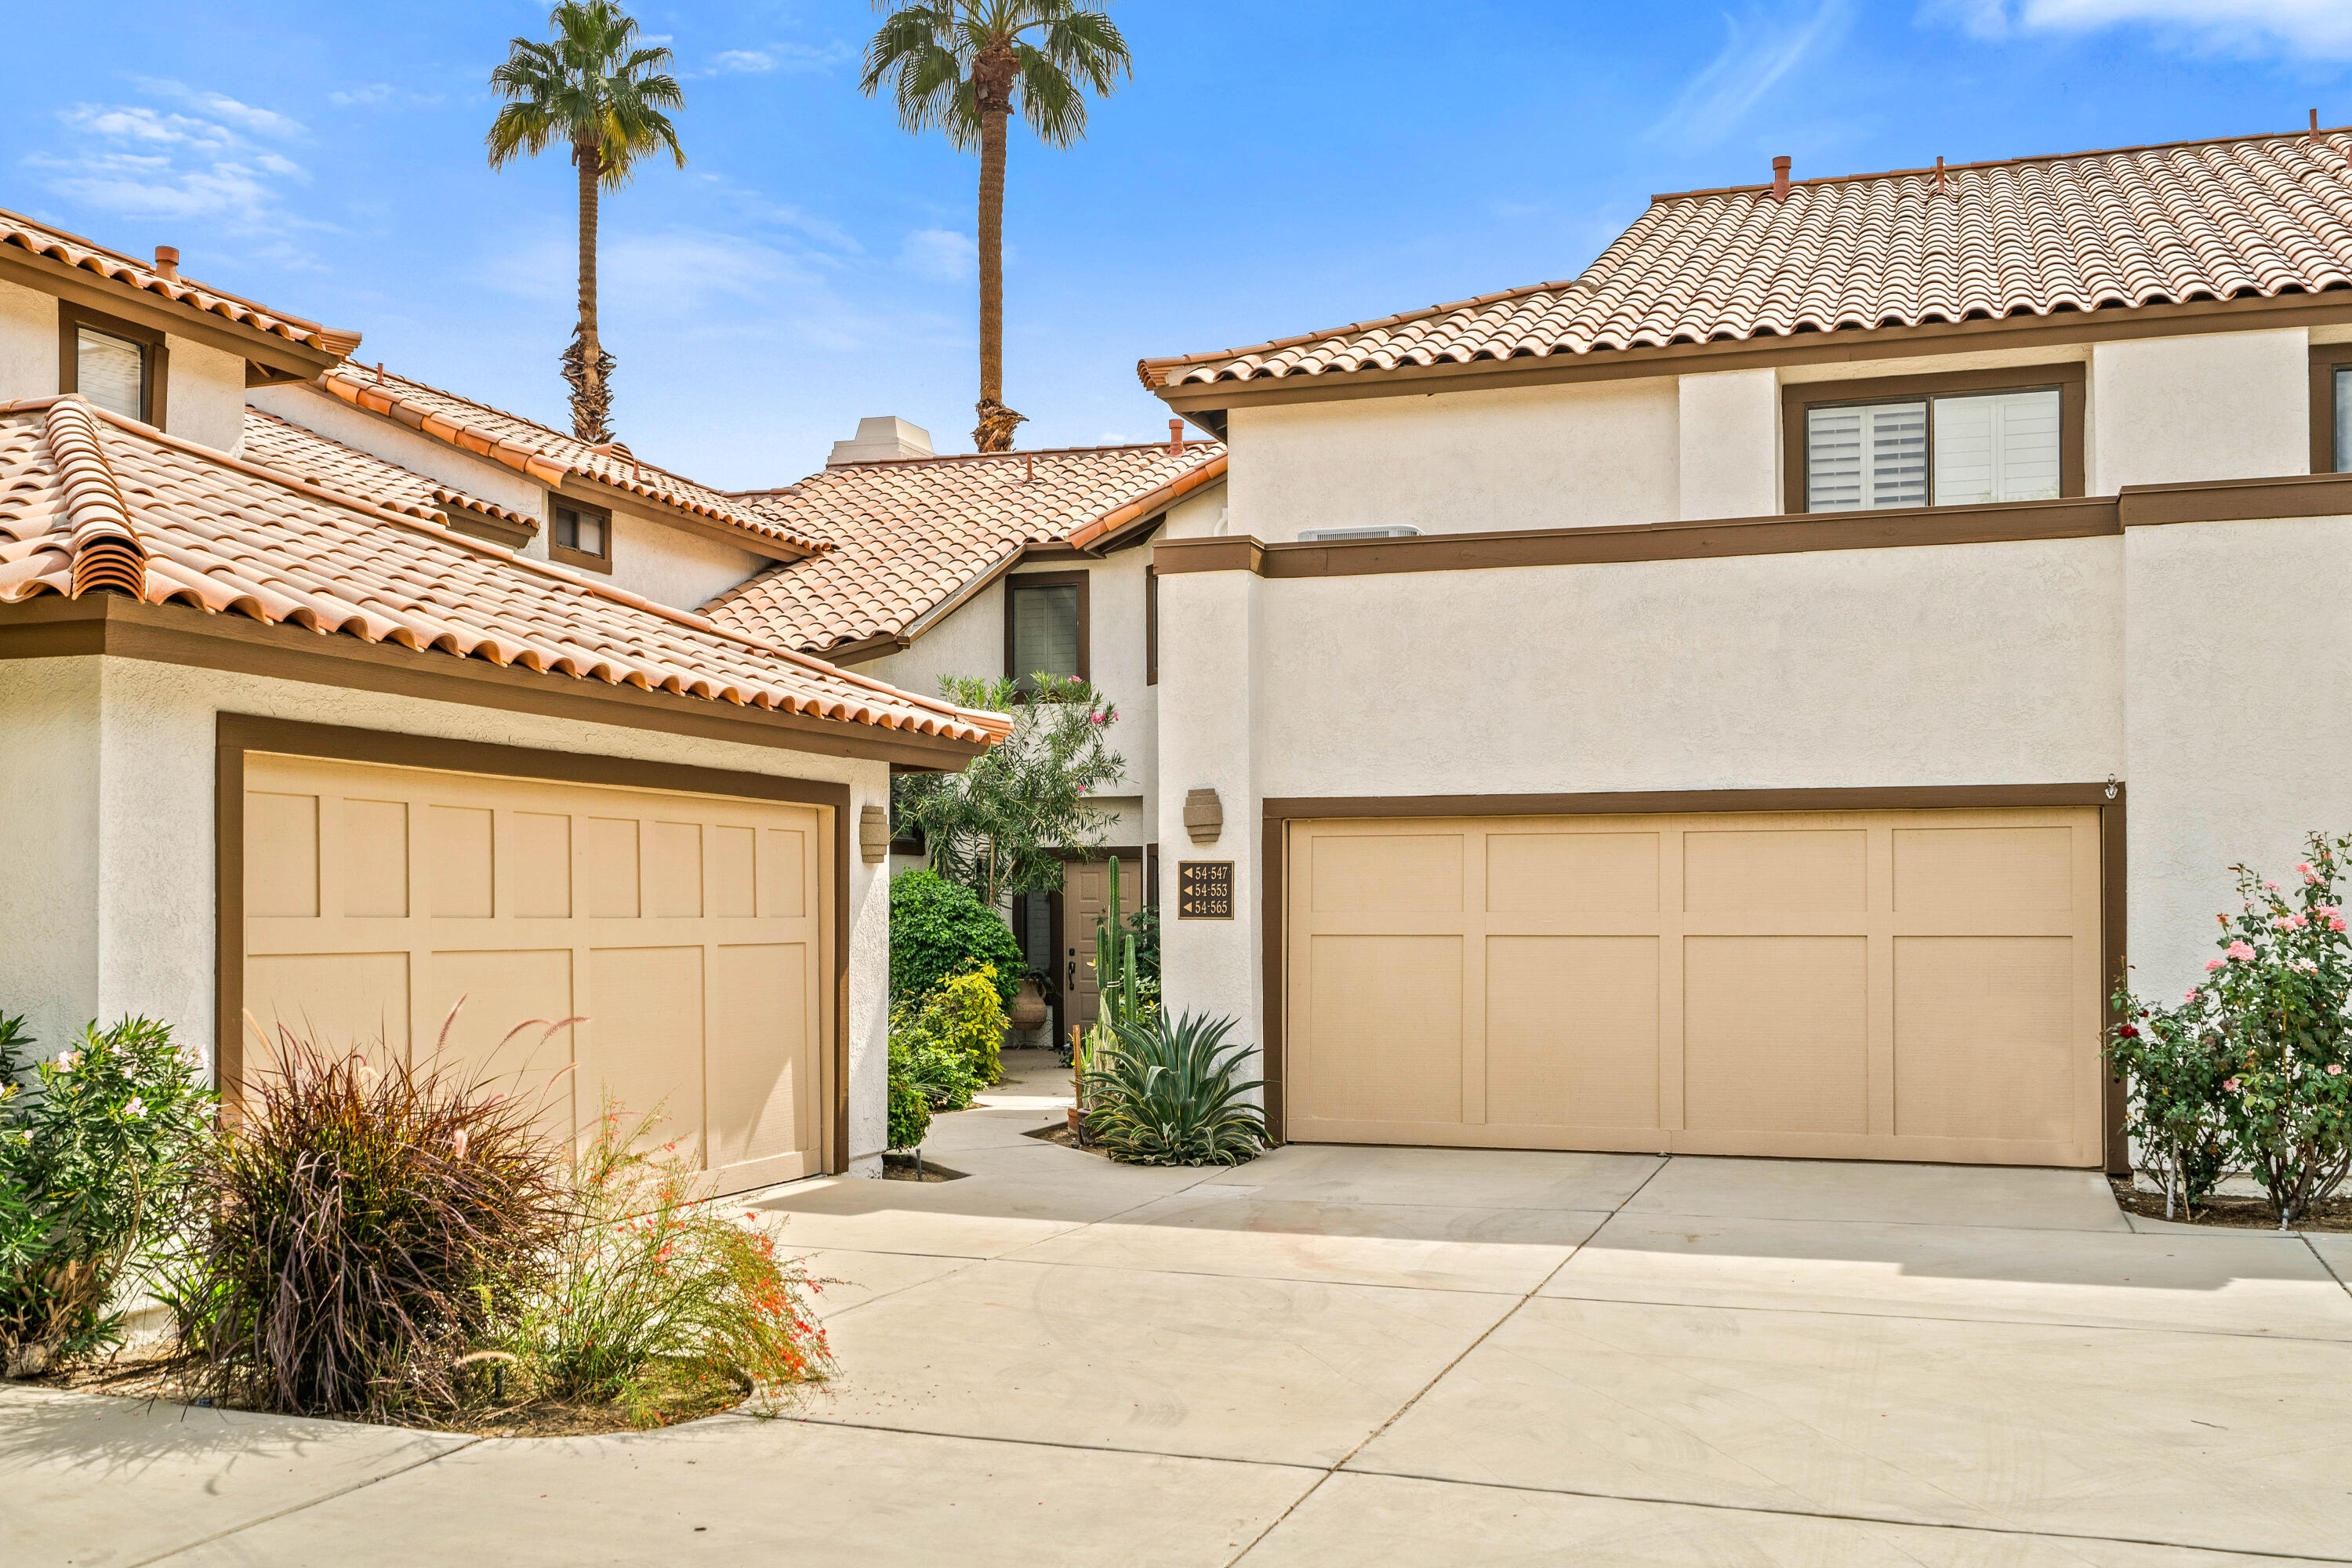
(1086, 897)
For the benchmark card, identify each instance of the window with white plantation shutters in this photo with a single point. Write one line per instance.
(111, 371)
(1866, 455)
(1997, 446)
(1044, 632)
(2343, 421)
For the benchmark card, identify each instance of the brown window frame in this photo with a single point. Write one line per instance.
(1151, 625)
(565, 555)
(154, 357)
(2069, 379)
(2326, 359)
(1085, 630)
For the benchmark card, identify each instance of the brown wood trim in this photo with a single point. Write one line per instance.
(1278, 812)
(237, 735)
(70, 284)
(1225, 552)
(586, 492)
(53, 627)
(2326, 359)
(2237, 501)
(2066, 329)
(490, 529)
(858, 652)
(1151, 625)
(1081, 581)
(2071, 378)
(1898, 528)
(154, 358)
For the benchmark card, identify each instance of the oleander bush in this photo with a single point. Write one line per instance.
(656, 1294)
(2253, 1069)
(93, 1148)
(360, 1230)
(1165, 1093)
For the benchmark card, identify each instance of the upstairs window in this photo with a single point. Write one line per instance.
(115, 365)
(583, 536)
(1046, 626)
(2331, 408)
(1934, 443)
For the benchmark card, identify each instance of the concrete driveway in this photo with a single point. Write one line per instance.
(1371, 1356)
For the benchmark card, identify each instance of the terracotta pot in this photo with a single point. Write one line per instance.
(1028, 1010)
(1078, 1122)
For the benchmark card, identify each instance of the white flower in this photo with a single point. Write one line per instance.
(69, 1061)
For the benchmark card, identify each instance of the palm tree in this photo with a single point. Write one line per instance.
(959, 66)
(589, 86)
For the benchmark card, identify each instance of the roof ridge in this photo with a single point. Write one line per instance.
(2304, 134)
(148, 265)
(972, 458)
(361, 373)
(1143, 366)
(105, 549)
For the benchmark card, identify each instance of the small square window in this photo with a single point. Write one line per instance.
(1046, 626)
(111, 371)
(581, 536)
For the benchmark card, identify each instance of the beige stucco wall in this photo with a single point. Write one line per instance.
(2223, 405)
(1198, 515)
(28, 343)
(122, 919)
(671, 567)
(204, 400)
(1729, 446)
(1544, 456)
(2240, 679)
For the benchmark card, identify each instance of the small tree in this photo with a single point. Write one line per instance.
(1002, 826)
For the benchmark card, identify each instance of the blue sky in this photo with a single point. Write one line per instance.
(1273, 167)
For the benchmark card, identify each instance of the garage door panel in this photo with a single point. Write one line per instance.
(1571, 873)
(507, 1006)
(395, 890)
(1961, 871)
(1774, 871)
(1776, 1033)
(1572, 1031)
(336, 1000)
(1981, 1026)
(1412, 873)
(1389, 1009)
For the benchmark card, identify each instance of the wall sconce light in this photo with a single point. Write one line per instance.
(1204, 815)
(873, 834)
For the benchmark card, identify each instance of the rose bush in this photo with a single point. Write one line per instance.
(2255, 1061)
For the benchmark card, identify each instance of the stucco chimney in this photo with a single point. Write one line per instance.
(167, 260)
(879, 438)
(1781, 178)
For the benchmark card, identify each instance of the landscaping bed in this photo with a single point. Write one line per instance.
(2335, 1216)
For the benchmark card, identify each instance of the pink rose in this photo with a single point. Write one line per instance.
(2335, 1069)
(2231, 1084)
(2239, 949)
(2193, 994)
(2304, 868)
(2211, 966)
(2270, 887)
(2326, 911)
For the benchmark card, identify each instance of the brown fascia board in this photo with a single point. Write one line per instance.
(487, 528)
(111, 625)
(588, 488)
(1202, 402)
(267, 350)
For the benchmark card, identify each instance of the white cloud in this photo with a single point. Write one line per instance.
(742, 61)
(1758, 51)
(942, 255)
(370, 94)
(788, 57)
(2321, 27)
(143, 162)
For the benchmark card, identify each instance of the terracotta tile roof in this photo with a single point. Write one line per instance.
(546, 454)
(2247, 216)
(908, 534)
(281, 444)
(89, 501)
(88, 255)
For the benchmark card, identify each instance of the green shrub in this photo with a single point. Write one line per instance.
(937, 930)
(654, 1291)
(1164, 1094)
(944, 1048)
(911, 1094)
(359, 1228)
(2173, 1061)
(93, 1147)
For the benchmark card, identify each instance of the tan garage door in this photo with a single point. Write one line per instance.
(1891, 986)
(686, 931)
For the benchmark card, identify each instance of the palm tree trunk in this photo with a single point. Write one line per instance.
(992, 83)
(586, 365)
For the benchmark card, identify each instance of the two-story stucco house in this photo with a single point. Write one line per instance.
(1809, 650)
(335, 734)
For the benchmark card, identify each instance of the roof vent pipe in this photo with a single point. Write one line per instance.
(1781, 178)
(167, 256)
(1175, 437)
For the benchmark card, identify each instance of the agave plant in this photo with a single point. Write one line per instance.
(1166, 1094)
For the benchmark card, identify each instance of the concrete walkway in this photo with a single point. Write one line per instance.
(1370, 1356)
